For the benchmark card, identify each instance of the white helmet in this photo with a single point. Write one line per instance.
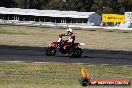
(69, 29)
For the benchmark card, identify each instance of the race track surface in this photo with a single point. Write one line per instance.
(37, 54)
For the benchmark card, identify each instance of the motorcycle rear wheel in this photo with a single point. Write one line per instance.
(50, 51)
(77, 52)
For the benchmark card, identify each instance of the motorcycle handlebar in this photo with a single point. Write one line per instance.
(60, 35)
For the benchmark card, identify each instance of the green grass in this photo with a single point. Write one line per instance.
(38, 36)
(30, 75)
(12, 30)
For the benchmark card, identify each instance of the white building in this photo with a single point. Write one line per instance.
(53, 16)
(128, 19)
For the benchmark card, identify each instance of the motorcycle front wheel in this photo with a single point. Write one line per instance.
(50, 51)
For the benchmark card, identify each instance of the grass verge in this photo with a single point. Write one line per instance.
(31, 75)
(38, 36)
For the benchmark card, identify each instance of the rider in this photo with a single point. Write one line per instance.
(71, 38)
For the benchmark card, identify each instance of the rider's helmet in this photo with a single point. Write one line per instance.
(69, 30)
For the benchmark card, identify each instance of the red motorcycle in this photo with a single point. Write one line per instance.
(72, 50)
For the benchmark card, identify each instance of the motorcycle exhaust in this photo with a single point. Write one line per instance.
(82, 44)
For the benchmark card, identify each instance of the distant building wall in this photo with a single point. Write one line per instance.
(128, 19)
(42, 18)
(54, 16)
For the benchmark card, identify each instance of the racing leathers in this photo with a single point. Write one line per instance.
(70, 41)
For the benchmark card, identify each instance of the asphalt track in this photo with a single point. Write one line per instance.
(37, 54)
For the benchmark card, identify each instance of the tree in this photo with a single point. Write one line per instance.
(22, 4)
(94, 8)
(125, 5)
(110, 6)
(107, 10)
(8, 3)
(79, 5)
(121, 10)
(99, 6)
(36, 4)
(56, 5)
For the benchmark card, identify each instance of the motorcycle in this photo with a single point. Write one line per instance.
(72, 50)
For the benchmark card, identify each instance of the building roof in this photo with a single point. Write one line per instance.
(50, 13)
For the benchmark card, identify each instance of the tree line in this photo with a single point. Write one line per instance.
(99, 6)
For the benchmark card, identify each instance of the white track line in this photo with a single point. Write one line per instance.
(65, 63)
(13, 61)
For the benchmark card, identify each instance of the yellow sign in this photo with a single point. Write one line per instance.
(113, 18)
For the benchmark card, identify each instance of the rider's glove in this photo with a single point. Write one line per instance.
(59, 39)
